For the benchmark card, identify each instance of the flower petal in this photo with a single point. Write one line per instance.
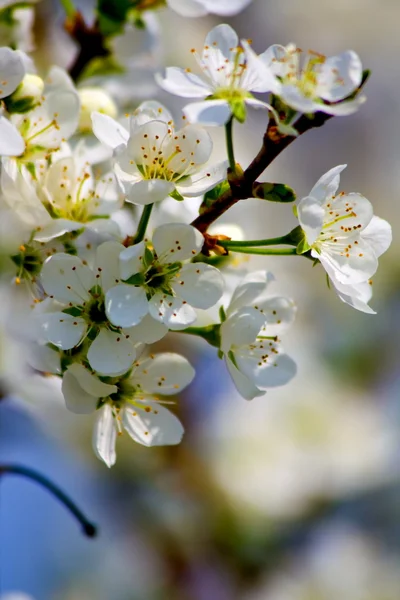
(187, 8)
(241, 328)
(209, 112)
(111, 353)
(126, 305)
(202, 181)
(148, 331)
(356, 296)
(131, 260)
(64, 331)
(176, 241)
(328, 184)
(90, 383)
(251, 286)
(311, 218)
(76, 399)
(173, 312)
(107, 264)
(11, 141)
(243, 384)
(199, 284)
(181, 83)
(158, 427)
(339, 76)
(275, 369)
(148, 191)
(67, 279)
(105, 436)
(108, 131)
(167, 374)
(378, 233)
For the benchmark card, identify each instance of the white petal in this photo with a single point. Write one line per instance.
(182, 83)
(258, 77)
(276, 370)
(107, 264)
(131, 260)
(199, 284)
(90, 383)
(176, 241)
(173, 312)
(241, 328)
(76, 399)
(147, 331)
(195, 147)
(64, 331)
(378, 233)
(311, 218)
(356, 296)
(67, 279)
(126, 305)
(220, 44)
(149, 191)
(167, 374)
(105, 436)
(44, 359)
(108, 131)
(225, 7)
(295, 98)
(279, 313)
(243, 384)
(11, 141)
(345, 108)
(328, 184)
(12, 71)
(349, 265)
(246, 292)
(339, 76)
(203, 181)
(156, 428)
(347, 214)
(111, 353)
(55, 229)
(210, 112)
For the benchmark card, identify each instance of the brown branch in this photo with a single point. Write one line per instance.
(241, 187)
(90, 40)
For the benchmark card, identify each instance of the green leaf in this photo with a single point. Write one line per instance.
(136, 279)
(102, 65)
(213, 195)
(112, 15)
(274, 192)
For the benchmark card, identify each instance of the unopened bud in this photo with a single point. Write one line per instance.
(27, 95)
(94, 100)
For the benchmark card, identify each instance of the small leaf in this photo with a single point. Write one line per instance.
(274, 192)
(213, 195)
(238, 109)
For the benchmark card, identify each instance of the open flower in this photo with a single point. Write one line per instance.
(231, 72)
(74, 315)
(342, 231)
(131, 402)
(320, 84)
(154, 277)
(54, 119)
(12, 71)
(249, 337)
(154, 161)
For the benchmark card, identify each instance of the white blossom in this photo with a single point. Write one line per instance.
(94, 99)
(153, 160)
(249, 337)
(199, 8)
(75, 313)
(343, 234)
(12, 71)
(156, 282)
(320, 84)
(232, 72)
(132, 402)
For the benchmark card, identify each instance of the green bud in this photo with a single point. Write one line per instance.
(27, 95)
(273, 192)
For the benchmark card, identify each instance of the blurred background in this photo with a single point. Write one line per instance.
(293, 496)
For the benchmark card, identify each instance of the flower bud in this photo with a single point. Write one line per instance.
(27, 95)
(94, 99)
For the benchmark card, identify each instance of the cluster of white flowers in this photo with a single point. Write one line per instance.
(103, 277)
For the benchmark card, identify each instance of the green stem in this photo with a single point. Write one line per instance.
(88, 528)
(273, 251)
(229, 144)
(232, 244)
(210, 333)
(144, 221)
(69, 8)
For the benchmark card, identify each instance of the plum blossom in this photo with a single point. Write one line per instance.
(344, 235)
(249, 337)
(320, 84)
(75, 316)
(12, 71)
(232, 72)
(132, 402)
(154, 161)
(155, 281)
